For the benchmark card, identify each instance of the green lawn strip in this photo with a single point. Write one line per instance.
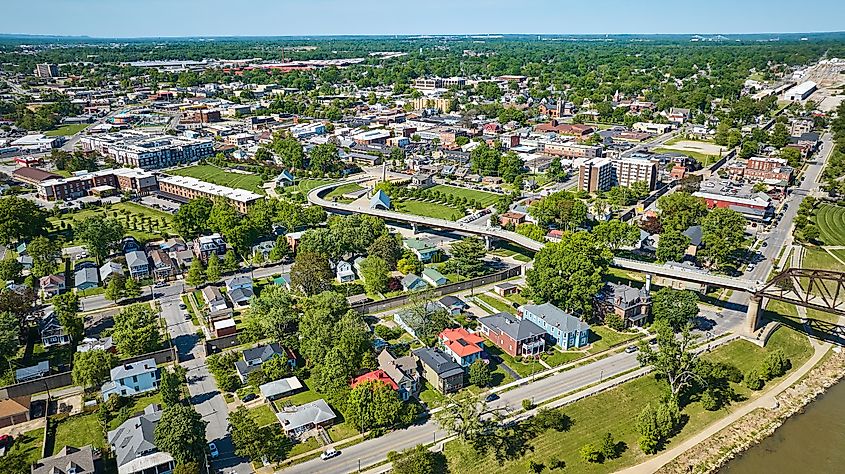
(190, 310)
(602, 338)
(30, 444)
(263, 415)
(219, 176)
(78, 431)
(430, 396)
(831, 223)
(137, 226)
(306, 185)
(137, 406)
(496, 303)
(301, 448)
(615, 411)
(427, 209)
(819, 259)
(483, 197)
(704, 159)
(339, 191)
(65, 130)
(524, 369)
(342, 431)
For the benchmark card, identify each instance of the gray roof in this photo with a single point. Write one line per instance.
(395, 368)
(136, 258)
(624, 295)
(109, 269)
(77, 460)
(556, 317)
(410, 279)
(450, 301)
(240, 295)
(443, 365)
(517, 329)
(264, 352)
(316, 412)
(694, 233)
(380, 198)
(136, 436)
(280, 387)
(134, 368)
(238, 281)
(86, 275)
(38, 370)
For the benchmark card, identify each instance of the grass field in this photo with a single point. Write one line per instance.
(339, 191)
(615, 411)
(141, 230)
(306, 185)
(427, 209)
(66, 130)
(496, 303)
(77, 431)
(831, 223)
(263, 415)
(482, 197)
(29, 444)
(705, 160)
(213, 174)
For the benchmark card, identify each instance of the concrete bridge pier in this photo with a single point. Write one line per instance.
(487, 244)
(414, 228)
(752, 317)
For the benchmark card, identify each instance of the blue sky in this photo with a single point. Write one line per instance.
(136, 18)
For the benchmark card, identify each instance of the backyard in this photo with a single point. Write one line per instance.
(141, 222)
(213, 174)
(77, 431)
(29, 444)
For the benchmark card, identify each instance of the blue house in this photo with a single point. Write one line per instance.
(132, 379)
(412, 282)
(86, 278)
(562, 329)
(422, 249)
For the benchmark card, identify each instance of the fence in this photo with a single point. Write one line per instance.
(401, 300)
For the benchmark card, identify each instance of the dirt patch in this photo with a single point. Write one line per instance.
(697, 147)
(709, 455)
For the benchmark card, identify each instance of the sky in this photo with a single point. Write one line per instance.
(173, 18)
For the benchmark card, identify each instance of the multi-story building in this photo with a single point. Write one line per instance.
(759, 168)
(572, 150)
(141, 150)
(431, 83)
(206, 245)
(633, 305)
(137, 181)
(562, 329)
(185, 188)
(47, 71)
(517, 337)
(630, 170)
(439, 103)
(596, 175)
(754, 206)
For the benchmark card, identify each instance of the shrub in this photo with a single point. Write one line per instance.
(774, 365)
(527, 404)
(589, 453)
(753, 380)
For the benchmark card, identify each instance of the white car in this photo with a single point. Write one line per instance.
(212, 448)
(329, 453)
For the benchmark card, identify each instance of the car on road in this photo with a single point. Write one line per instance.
(183, 306)
(160, 284)
(749, 268)
(212, 448)
(329, 453)
(496, 259)
(491, 398)
(187, 316)
(631, 349)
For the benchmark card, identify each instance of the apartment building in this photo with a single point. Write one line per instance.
(760, 168)
(602, 174)
(185, 188)
(596, 175)
(629, 171)
(47, 71)
(141, 150)
(572, 150)
(97, 182)
(432, 83)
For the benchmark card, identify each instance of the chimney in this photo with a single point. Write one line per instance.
(648, 284)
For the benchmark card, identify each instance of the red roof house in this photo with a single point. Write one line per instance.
(377, 375)
(464, 346)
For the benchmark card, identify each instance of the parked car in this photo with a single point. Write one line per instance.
(161, 284)
(212, 448)
(491, 398)
(631, 349)
(329, 453)
(249, 397)
(183, 306)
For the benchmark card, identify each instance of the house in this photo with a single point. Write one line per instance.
(173, 245)
(110, 270)
(297, 420)
(377, 375)
(511, 218)
(633, 305)
(293, 239)
(462, 345)
(505, 288)
(132, 378)
(51, 285)
(68, 460)
(34, 372)
(433, 277)
(215, 304)
(138, 265)
(280, 388)
(94, 344)
(254, 358)
(51, 331)
(422, 249)
(25, 261)
(439, 369)
(380, 200)
(562, 329)
(402, 371)
(344, 272)
(86, 278)
(130, 244)
(239, 289)
(133, 445)
(517, 337)
(163, 266)
(412, 282)
(263, 248)
(282, 280)
(421, 181)
(206, 245)
(14, 410)
(183, 258)
(284, 179)
(453, 304)
(694, 234)
(224, 327)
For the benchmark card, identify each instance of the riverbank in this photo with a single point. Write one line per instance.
(711, 454)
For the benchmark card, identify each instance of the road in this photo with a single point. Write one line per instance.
(375, 450)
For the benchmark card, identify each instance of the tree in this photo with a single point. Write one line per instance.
(810, 233)
(723, 234)
(532, 231)
(792, 156)
(115, 288)
(779, 136)
(375, 273)
(212, 270)
(230, 262)
(467, 258)
(310, 273)
(272, 314)
(99, 235)
(416, 460)
(44, 253)
(280, 250)
(569, 273)
(289, 150)
(20, 220)
(196, 274)
(9, 334)
(250, 440)
(677, 308)
(485, 159)
(479, 374)
(674, 359)
(510, 167)
(15, 462)
(615, 234)
(463, 418)
(774, 365)
(10, 268)
(171, 385)
(680, 210)
(409, 263)
(66, 307)
(91, 368)
(181, 433)
(191, 220)
(561, 208)
(388, 248)
(372, 404)
(657, 424)
(424, 317)
(131, 288)
(607, 448)
(590, 453)
(672, 246)
(136, 331)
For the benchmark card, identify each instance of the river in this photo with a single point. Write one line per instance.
(807, 442)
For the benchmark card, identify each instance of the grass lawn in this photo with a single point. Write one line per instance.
(137, 407)
(263, 415)
(65, 130)
(524, 369)
(342, 431)
(141, 222)
(29, 444)
(602, 337)
(78, 431)
(428, 209)
(831, 223)
(496, 303)
(507, 249)
(705, 160)
(213, 174)
(821, 260)
(339, 191)
(615, 411)
(306, 185)
(483, 197)
(430, 396)
(308, 395)
(299, 448)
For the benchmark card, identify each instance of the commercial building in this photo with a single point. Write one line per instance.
(185, 188)
(801, 91)
(33, 176)
(572, 150)
(141, 150)
(754, 206)
(432, 83)
(439, 103)
(761, 168)
(100, 182)
(47, 71)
